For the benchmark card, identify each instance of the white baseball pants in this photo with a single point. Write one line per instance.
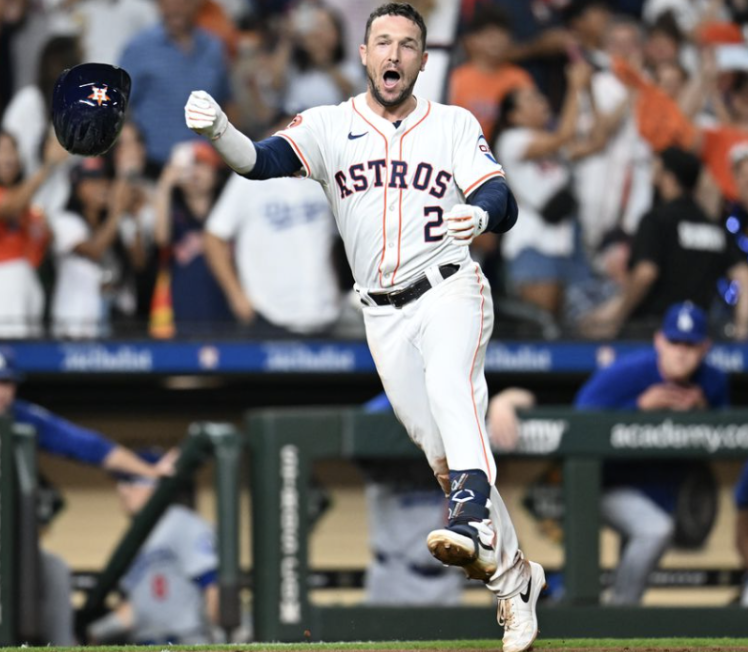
(430, 355)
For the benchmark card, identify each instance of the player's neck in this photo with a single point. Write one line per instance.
(392, 113)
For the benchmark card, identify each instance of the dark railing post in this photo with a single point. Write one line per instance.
(29, 587)
(228, 452)
(582, 530)
(8, 604)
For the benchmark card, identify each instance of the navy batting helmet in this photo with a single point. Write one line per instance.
(88, 107)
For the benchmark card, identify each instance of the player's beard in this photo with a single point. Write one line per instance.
(390, 104)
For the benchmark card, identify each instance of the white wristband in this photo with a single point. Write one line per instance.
(236, 149)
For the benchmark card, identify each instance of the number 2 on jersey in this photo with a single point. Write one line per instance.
(428, 234)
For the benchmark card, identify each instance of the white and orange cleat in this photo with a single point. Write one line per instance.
(517, 614)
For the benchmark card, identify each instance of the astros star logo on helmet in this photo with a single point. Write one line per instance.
(99, 95)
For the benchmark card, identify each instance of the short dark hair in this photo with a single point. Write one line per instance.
(577, 8)
(396, 9)
(488, 16)
(683, 165)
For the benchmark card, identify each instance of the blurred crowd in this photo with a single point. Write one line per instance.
(622, 126)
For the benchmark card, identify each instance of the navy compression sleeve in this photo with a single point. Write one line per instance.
(275, 158)
(495, 197)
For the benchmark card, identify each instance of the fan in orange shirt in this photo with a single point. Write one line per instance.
(480, 84)
(662, 123)
(23, 238)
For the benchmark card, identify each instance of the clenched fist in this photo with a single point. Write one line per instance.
(203, 115)
(465, 223)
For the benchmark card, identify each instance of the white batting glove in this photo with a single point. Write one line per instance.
(203, 115)
(465, 223)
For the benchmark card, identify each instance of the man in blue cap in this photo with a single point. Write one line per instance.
(638, 497)
(59, 437)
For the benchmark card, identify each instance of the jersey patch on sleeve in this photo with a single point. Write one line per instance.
(483, 147)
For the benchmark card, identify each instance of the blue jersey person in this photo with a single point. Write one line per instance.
(171, 587)
(60, 437)
(639, 498)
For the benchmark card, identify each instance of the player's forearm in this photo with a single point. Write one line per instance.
(236, 149)
(122, 459)
(496, 198)
(212, 603)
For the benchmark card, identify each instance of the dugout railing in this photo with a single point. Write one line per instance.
(20, 568)
(284, 444)
(204, 441)
(20, 561)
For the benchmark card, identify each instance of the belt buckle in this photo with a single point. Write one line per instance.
(392, 297)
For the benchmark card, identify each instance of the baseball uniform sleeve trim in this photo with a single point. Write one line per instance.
(301, 156)
(483, 179)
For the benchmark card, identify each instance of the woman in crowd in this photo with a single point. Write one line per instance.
(542, 252)
(90, 257)
(23, 238)
(186, 193)
(315, 71)
(134, 195)
(27, 118)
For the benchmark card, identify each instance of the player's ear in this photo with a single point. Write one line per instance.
(424, 59)
(362, 53)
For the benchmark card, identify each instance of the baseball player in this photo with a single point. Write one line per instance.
(171, 586)
(639, 497)
(411, 184)
(61, 438)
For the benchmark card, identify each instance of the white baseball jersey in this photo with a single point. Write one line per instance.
(389, 185)
(283, 232)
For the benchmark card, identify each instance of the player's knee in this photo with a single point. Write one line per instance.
(659, 530)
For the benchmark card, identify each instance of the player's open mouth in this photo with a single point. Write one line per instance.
(391, 77)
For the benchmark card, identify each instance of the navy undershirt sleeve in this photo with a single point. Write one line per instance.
(275, 158)
(495, 197)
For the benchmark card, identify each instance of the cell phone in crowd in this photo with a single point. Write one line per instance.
(600, 60)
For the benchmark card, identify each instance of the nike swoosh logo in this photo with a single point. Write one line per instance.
(526, 595)
(351, 135)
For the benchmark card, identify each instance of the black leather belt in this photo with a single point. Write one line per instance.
(415, 290)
